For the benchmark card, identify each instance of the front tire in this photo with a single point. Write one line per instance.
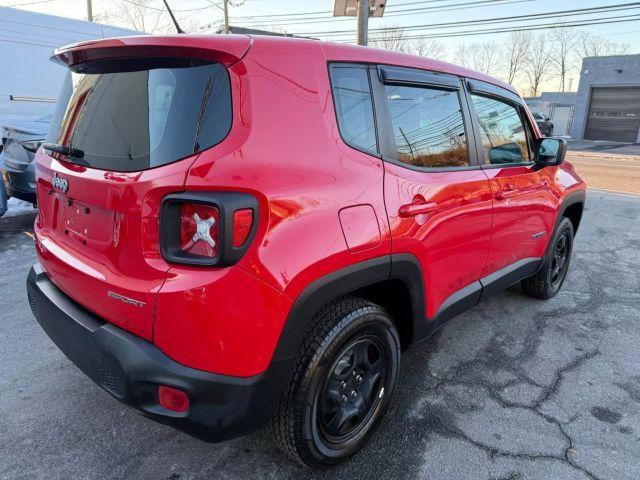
(546, 283)
(341, 386)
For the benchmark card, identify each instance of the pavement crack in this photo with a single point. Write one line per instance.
(550, 391)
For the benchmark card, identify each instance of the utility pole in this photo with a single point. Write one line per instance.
(226, 16)
(362, 9)
(89, 11)
(363, 21)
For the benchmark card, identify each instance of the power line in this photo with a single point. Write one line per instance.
(163, 9)
(434, 9)
(524, 28)
(29, 3)
(532, 16)
(324, 12)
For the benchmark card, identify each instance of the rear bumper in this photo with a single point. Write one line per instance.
(130, 368)
(20, 184)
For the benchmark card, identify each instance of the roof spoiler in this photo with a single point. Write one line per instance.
(226, 49)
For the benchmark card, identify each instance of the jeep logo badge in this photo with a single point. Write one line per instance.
(60, 183)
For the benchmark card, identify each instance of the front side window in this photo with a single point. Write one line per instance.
(133, 120)
(502, 131)
(428, 126)
(354, 107)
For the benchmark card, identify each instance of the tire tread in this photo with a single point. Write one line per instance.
(282, 426)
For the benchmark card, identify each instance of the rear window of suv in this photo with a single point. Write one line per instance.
(136, 115)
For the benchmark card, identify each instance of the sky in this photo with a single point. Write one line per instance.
(313, 18)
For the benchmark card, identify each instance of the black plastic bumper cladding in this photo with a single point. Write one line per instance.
(226, 203)
(130, 369)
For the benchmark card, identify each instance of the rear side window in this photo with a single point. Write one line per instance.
(354, 107)
(502, 131)
(428, 126)
(135, 120)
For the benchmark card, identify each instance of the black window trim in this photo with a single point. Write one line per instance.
(385, 130)
(392, 75)
(500, 94)
(364, 66)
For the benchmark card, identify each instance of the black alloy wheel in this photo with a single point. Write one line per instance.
(352, 389)
(559, 259)
(342, 384)
(548, 280)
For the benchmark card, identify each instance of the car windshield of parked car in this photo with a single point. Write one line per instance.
(136, 120)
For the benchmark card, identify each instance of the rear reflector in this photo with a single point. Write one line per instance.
(173, 399)
(242, 222)
(199, 229)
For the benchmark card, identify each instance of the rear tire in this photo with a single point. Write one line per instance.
(546, 283)
(341, 386)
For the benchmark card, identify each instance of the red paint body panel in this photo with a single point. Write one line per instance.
(524, 207)
(111, 241)
(322, 206)
(285, 149)
(219, 320)
(451, 242)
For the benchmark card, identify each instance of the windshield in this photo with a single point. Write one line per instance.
(135, 120)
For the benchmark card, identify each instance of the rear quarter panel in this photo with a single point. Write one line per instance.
(285, 149)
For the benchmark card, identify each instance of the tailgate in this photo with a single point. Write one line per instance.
(98, 239)
(133, 115)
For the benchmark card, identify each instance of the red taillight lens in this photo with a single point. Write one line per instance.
(173, 399)
(242, 222)
(213, 229)
(199, 230)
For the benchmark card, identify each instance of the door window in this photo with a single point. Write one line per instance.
(428, 126)
(502, 131)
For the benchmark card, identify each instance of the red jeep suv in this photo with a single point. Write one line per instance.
(238, 231)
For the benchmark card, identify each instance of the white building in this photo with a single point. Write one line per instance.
(29, 82)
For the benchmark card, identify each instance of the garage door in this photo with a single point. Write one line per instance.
(614, 114)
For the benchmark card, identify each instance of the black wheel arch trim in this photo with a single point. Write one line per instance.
(403, 267)
(406, 268)
(576, 197)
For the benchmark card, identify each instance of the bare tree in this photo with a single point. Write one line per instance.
(395, 38)
(483, 57)
(565, 42)
(139, 15)
(516, 53)
(538, 63)
(590, 45)
(142, 15)
(150, 16)
(392, 38)
(428, 47)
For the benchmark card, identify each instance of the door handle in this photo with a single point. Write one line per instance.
(504, 194)
(413, 209)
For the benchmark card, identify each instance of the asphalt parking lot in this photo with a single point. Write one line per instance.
(514, 389)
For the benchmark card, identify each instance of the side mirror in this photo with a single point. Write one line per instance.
(551, 151)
